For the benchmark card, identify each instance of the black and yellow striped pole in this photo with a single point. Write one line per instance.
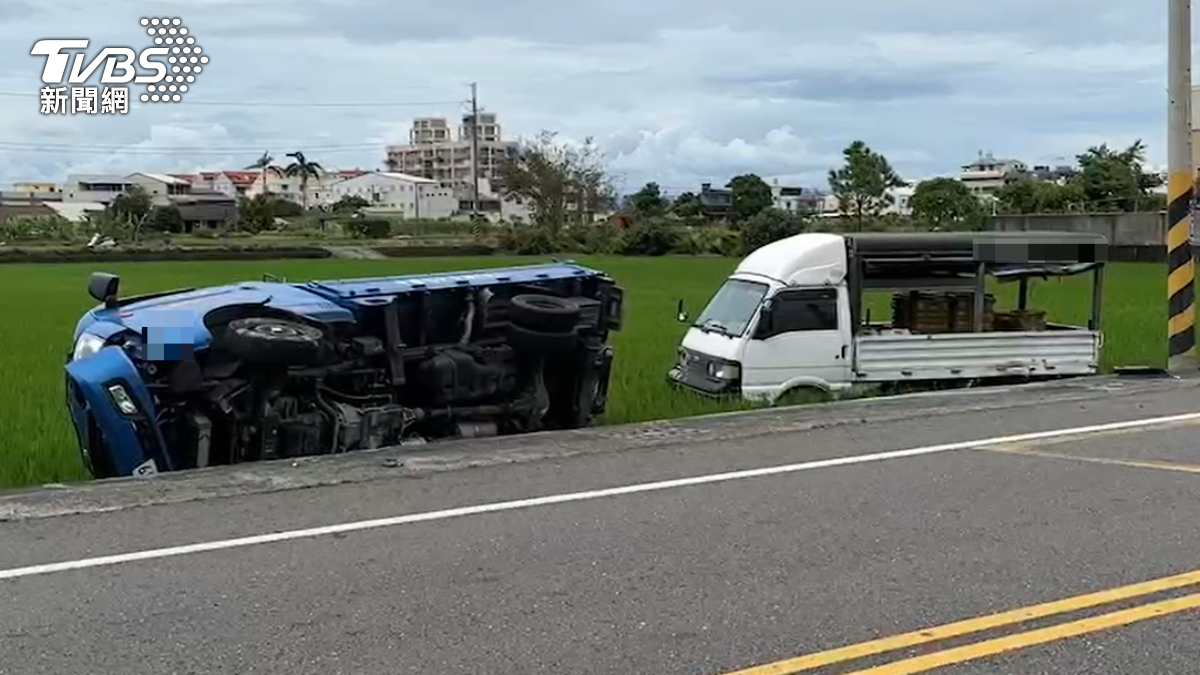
(1181, 275)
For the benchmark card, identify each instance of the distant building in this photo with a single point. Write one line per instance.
(1054, 174)
(407, 196)
(38, 187)
(432, 152)
(796, 199)
(987, 173)
(899, 204)
(104, 188)
(198, 204)
(715, 202)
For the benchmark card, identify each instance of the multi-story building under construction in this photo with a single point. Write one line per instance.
(432, 152)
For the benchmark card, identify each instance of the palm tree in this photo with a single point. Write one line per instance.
(303, 169)
(263, 165)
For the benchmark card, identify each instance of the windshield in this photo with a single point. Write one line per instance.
(731, 309)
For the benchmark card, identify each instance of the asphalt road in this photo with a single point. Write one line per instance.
(841, 546)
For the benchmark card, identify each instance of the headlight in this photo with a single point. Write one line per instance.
(725, 371)
(86, 345)
(122, 400)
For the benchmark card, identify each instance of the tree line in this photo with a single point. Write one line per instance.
(550, 177)
(564, 184)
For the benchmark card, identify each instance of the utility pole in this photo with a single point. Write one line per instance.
(1181, 305)
(474, 151)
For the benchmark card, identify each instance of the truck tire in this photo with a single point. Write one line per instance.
(541, 343)
(546, 313)
(272, 341)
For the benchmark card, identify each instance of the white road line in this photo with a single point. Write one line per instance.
(273, 537)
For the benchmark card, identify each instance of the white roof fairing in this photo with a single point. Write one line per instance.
(811, 259)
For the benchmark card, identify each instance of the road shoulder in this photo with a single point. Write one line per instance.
(361, 467)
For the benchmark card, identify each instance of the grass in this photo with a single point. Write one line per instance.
(41, 304)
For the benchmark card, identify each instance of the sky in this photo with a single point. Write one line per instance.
(680, 92)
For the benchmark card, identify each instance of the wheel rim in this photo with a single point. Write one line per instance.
(275, 330)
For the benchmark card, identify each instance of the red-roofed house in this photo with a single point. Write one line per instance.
(242, 182)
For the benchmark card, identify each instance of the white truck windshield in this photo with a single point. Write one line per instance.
(730, 310)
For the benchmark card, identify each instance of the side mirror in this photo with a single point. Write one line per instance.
(104, 287)
(681, 314)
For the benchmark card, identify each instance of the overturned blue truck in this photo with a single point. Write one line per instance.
(271, 370)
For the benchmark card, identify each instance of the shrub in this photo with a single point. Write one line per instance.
(368, 228)
(165, 219)
(33, 228)
(599, 239)
(285, 208)
(768, 226)
(710, 240)
(531, 240)
(651, 236)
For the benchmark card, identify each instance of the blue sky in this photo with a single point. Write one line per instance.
(678, 91)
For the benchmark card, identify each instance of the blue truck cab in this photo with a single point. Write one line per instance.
(268, 369)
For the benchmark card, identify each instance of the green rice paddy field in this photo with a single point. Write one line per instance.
(41, 303)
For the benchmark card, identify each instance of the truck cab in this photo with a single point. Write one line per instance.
(794, 314)
(780, 321)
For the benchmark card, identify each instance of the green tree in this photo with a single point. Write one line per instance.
(946, 202)
(770, 225)
(304, 170)
(1030, 195)
(751, 196)
(258, 213)
(1113, 180)
(648, 201)
(132, 206)
(687, 205)
(557, 181)
(165, 219)
(349, 204)
(861, 185)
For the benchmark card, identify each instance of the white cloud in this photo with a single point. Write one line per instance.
(678, 92)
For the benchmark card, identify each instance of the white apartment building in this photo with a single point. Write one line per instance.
(432, 153)
(900, 203)
(987, 173)
(407, 196)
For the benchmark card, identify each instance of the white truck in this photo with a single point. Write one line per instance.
(792, 316)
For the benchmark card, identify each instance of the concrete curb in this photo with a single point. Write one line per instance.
(411, 461)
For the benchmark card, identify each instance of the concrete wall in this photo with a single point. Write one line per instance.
(1122, 229)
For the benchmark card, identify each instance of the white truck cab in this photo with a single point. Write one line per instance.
(792, 314)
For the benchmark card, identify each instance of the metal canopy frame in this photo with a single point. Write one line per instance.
(964, 261)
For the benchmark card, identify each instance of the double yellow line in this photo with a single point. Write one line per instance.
(1007, 643)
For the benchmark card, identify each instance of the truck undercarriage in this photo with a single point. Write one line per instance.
(458, 362)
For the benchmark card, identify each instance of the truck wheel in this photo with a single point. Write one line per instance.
(546, 313)
(272, 341)
(541, 343)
